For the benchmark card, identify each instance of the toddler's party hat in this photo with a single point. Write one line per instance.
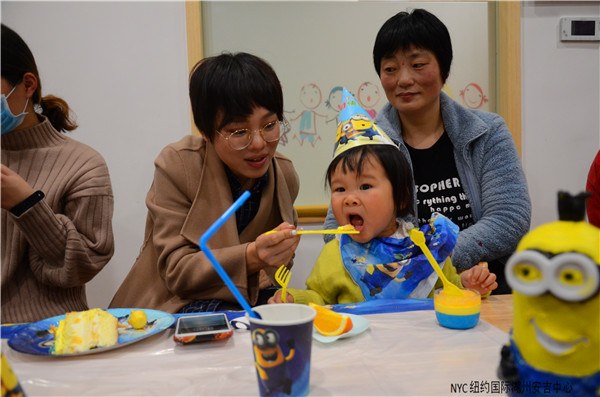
(356, 127)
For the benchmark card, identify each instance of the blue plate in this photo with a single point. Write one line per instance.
(9, 330)
(36, 339)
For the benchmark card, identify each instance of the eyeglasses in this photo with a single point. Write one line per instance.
(240, 139)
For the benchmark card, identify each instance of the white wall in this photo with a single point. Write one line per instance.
(122, 67)
(561, 106)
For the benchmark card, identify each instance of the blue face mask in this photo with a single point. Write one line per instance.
(9, 120)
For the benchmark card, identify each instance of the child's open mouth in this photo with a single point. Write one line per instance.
(357, 222)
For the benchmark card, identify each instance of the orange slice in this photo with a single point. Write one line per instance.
(330, 323)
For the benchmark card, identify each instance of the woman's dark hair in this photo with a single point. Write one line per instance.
(229, 87)
(419, 28)
(17, 60)
(395, 165)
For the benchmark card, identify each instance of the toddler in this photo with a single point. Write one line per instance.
(372, 189)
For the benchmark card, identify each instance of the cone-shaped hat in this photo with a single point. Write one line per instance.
(356, 127)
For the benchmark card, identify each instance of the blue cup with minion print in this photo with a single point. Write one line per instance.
(457, 312)
(282, 343)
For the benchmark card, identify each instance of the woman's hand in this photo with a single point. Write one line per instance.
(277, 298)
(480, 279)
(273, 249)
(264, 281)
(14, 189)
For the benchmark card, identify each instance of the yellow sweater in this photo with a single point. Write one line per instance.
(330, 283)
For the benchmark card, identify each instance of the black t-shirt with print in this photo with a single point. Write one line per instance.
(438, 185)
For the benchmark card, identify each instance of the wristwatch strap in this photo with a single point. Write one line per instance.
(26, 204)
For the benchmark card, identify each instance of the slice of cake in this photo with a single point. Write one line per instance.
(82, 331)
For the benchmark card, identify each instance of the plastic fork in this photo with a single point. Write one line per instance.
(419, 239)
(282, 276)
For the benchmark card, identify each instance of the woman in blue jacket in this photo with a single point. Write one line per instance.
(465, 162)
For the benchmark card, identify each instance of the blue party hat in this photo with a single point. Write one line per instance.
(356, 127)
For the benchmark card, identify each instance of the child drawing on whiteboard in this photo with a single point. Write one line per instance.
(472, 96)
(334, 103)
(310, 96)
(368, 96)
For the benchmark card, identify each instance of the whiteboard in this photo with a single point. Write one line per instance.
(317, 47)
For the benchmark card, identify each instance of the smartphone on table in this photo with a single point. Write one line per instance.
(202, 328)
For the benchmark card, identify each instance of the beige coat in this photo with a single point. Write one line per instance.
(189, 193)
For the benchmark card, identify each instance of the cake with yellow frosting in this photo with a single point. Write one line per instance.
(86, 330)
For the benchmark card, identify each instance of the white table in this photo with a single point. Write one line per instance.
(400, 354)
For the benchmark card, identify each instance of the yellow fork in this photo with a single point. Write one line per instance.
(282, 276)
(419, 239)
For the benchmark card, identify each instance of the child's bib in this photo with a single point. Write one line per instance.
(394, 268)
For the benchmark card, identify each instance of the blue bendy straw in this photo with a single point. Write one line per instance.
(208, 234)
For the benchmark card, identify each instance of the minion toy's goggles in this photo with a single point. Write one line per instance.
(569, 276)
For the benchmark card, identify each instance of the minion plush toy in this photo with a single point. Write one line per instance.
(554, 347)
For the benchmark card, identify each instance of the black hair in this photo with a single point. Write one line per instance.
(421, 29)
(393, 162)
(17, 60)
(228, 87)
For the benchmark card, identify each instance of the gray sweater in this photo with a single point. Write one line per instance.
(491, 174)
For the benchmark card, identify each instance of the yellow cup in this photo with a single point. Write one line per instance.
(458, 312)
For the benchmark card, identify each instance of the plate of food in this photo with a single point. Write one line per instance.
(359, 325)
(88, 332)
(330, 326)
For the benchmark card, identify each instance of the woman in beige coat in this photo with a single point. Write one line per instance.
(237, 105)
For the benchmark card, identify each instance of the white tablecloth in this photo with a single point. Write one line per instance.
(400, 354)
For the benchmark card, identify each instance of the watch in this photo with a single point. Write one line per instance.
(26, 204)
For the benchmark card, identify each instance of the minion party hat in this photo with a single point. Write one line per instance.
(356, 127)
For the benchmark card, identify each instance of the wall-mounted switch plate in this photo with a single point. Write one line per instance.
(579, 28)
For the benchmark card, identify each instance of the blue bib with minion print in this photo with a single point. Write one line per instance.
(395, 268)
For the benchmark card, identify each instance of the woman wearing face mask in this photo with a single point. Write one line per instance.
(57, 200)
(237, 104)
